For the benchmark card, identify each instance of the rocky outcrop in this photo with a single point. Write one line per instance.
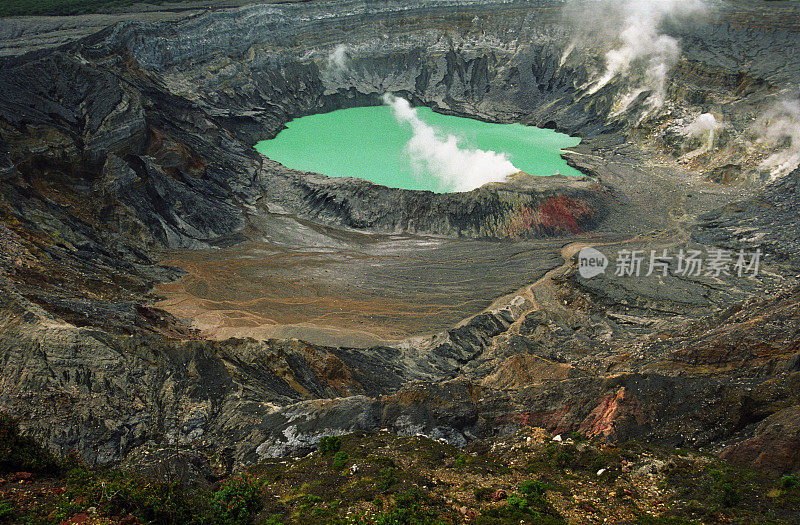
(766, 222)
(105, 395)
(535, 207)
(775, 446)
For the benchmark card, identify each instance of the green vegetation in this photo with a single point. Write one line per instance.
(461, 461)
(790, 482)
(408, 509)
(117, 494)
(22, 453)
(340, 460)
(386, 480)
(6, 511)
(528, 505)
(408, 481)
(723, 487)
(238, 499)
(719, 492)
(123, 496)
(584, 459)
(577, 437)
(112, 493)
(533, 488)
(330, 445)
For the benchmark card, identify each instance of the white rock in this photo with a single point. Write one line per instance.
(557, 438)
(601, 471)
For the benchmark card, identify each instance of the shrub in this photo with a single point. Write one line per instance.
(340, 460)
(117, 493)
(386, 480)
(789, 482)
(308, 505)
(517, 502)
(663, 520)
(529, 504)
(237, 501)
(7, 511)
(533, 488)
(723, 489)
(563, 459)
(330, 445)
(728, 495)
(577, 437)
(158, 503)
(519, 509)
(22, 453)
(408, 510)
(461, 461)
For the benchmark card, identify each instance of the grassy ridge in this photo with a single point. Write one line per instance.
(378, 478)
(65, 7)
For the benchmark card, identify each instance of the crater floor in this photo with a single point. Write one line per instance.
(355, 289)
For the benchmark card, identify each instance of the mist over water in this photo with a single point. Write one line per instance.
(440, 154)
(415, 148)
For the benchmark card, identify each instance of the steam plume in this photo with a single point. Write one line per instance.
(643, 49)
(705, 128)
(337, 60)
(780, 127)
(458, 168)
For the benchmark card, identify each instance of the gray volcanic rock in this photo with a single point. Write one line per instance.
(104, 395)
(768, 221)
(539, 206)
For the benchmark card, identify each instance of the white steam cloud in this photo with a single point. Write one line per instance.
(338, 58)
(459, 169)
(705, 127)
(643, 50)
(779, 127)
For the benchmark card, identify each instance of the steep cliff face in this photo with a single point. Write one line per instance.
(195, 101)
(139, 138)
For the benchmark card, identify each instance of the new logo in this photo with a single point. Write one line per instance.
(591, 262)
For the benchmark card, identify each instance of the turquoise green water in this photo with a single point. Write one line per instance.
(370, 143)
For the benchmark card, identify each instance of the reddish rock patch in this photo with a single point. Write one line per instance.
(559, 212)
(775, 447)
(614, 410)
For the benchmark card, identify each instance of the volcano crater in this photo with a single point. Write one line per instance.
(146, 243)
